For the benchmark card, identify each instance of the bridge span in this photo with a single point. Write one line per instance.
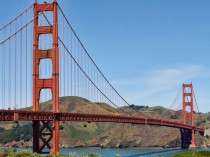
(43, 53)
(18, 115)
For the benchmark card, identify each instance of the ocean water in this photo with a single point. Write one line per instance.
(122, 152)
(126, 152)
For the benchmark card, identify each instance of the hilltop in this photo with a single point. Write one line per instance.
(78, 134)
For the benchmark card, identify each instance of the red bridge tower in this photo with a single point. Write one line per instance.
(45, 133)
(188, 136)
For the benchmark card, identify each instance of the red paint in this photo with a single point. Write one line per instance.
(188, 116)
(6, 115)
(52, 83)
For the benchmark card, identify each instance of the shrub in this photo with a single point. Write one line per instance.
(26, 153)
(23, 153)
(3, 154)
(90, 155)
(193, 154)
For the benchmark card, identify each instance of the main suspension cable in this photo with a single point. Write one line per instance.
(9, 23)
(95, 63)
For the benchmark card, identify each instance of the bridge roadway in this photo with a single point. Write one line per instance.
(22, 115)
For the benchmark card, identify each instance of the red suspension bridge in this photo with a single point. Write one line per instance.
(43, 59)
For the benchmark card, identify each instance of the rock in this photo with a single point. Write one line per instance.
(15, 145)
(79, 144)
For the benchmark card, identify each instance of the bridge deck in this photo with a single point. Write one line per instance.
(20, 115)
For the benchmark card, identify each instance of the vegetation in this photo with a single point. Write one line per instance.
(174, 116)
(193, 154)
(17, 133)
(137, 107)
(78, 134)
(22, 153)
(25, 153)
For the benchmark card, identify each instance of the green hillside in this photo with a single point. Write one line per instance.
(77, 134)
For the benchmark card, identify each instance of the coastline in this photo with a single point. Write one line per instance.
(108, 152)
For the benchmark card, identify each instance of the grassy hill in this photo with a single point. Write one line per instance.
(76, 134)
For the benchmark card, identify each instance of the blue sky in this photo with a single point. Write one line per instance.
(146, 48)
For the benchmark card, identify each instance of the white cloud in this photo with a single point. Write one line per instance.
(160, 86)
(167, 78)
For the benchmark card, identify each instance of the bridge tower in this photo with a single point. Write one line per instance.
(45, 133)
(188, 136)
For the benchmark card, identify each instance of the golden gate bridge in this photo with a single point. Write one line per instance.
(42, 59)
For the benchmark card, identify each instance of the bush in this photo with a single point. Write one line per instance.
(26, 153)
(193, 154)
(2, 129)
(173, 116)
(90, 155)
(17, 133)
(3, 154)
(23, 153)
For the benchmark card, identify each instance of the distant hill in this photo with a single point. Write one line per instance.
(77, 134)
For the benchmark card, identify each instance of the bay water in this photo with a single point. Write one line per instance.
(127, 152)
(122, 152)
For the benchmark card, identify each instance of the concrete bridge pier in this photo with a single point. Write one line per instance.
(187, 138)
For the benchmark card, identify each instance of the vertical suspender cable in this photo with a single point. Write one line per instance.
(10, 72)
(31, 62)
(67, 85)
(89, 83)
(26, 46)
(4, 72)
(71, 68)
(75, 76)
(101, 89)
(80, 74)
(77, 69)
(84, 86)
(98, 86)
(91, 90)
(21, 64)
(64, 76)
(2, 76)
(93, 87)
(15, 64)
